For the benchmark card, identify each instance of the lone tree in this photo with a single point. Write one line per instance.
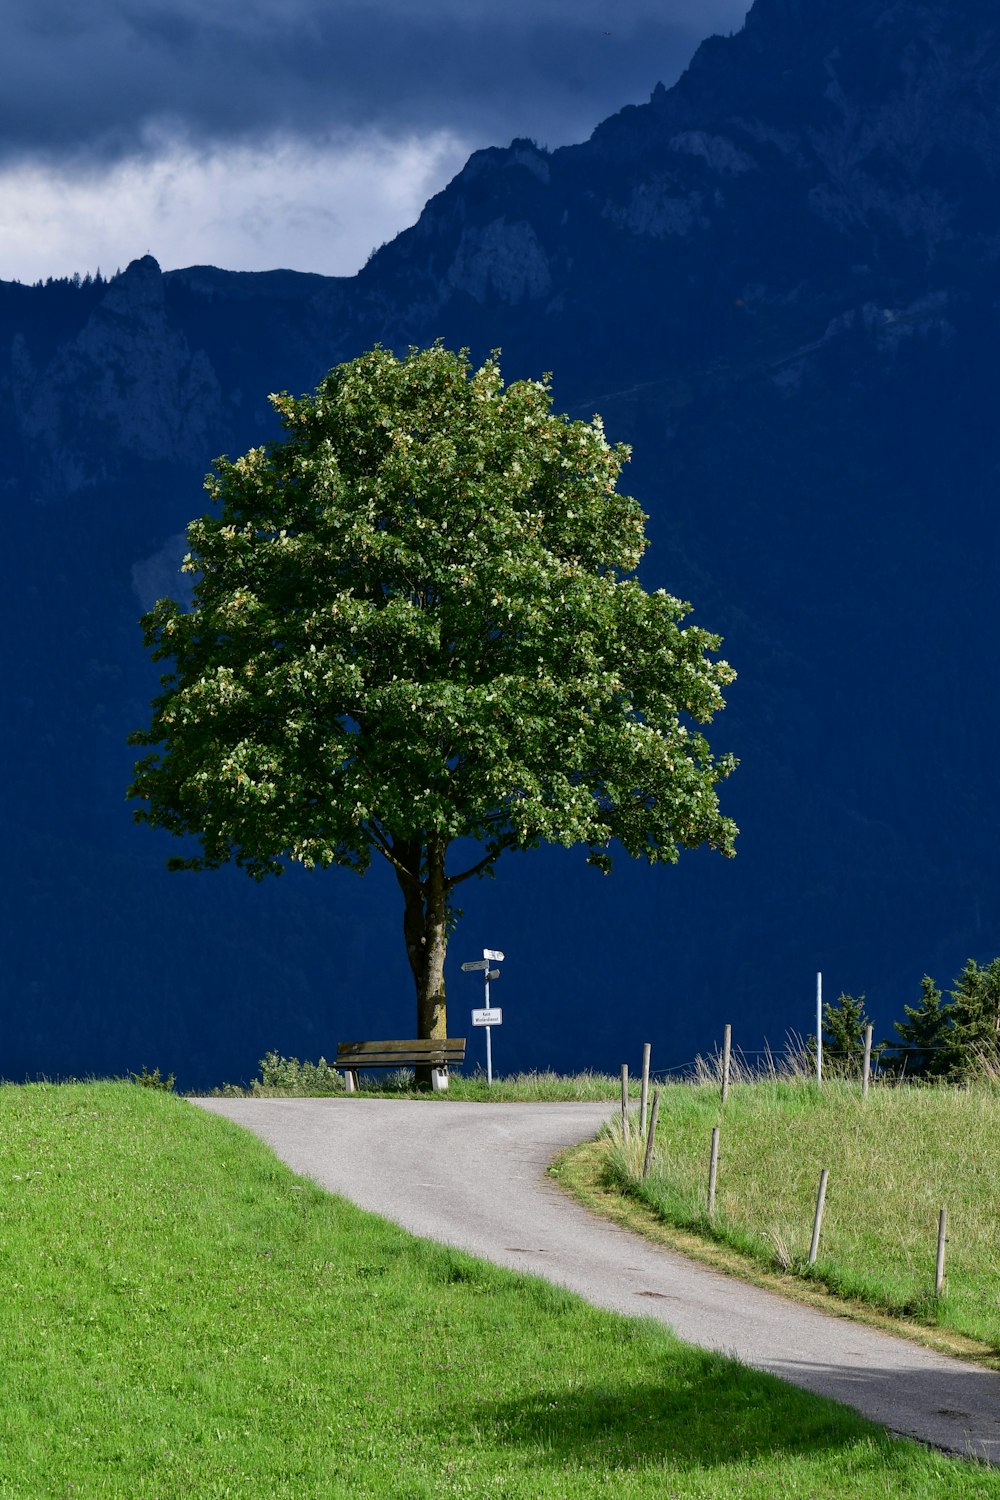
(413, 623)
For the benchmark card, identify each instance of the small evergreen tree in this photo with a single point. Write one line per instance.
(975, 1014)
(925, 1048)
(844, 1024)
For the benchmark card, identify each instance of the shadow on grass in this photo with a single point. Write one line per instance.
(707, 1412)
(703, 1411)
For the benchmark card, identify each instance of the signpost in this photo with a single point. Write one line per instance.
(487, 1016)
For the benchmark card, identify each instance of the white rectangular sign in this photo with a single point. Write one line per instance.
(494, 954)
(491, 1017)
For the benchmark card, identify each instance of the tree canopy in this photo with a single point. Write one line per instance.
(415, 621)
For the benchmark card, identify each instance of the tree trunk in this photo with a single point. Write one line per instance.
(425, 928)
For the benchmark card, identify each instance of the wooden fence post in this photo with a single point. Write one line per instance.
(818, 1218)
(644, 1098)
(942, 1241)
(713, 1169)
(625, 1103)
(866, 1075)
(651, 1134)
(727, 1040)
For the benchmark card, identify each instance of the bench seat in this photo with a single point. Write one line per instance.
(437, 1054)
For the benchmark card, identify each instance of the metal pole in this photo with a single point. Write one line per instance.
(489, 1044)
(727, 1042)
(625, 1103)
(819, 1030)
(866, 1076)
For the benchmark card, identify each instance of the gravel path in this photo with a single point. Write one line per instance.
(473, 1176)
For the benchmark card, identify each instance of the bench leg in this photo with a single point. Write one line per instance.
(439, 1080)
(350, 1081)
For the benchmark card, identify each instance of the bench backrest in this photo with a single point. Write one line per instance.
(437, 1052)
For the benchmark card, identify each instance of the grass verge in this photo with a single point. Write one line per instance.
(893, 1160)
(184, 1317)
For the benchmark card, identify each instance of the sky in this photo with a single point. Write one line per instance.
(254, 134)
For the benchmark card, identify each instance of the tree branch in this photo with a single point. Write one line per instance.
(483, 864)
(381, 843)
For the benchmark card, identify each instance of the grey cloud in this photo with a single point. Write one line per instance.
(110, 80)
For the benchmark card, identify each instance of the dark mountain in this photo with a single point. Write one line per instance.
(779, 281)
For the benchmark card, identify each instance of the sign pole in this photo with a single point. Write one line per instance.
(489, 1043)
(487, 1017)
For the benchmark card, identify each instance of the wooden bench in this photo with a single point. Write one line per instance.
(437, 1055)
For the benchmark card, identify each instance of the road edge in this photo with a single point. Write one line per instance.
(577, 1171)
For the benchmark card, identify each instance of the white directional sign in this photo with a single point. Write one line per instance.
(487, 1016)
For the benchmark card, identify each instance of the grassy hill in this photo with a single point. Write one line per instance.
(182, 1316)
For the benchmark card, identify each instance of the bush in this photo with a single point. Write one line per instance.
(147, 1080)
(294, 1077)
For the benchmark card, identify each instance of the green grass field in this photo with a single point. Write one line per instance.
(183, 1317)
(894, 1160)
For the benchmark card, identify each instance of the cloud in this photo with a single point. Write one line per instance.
(109, 80)
(310, 207)
(252, 134)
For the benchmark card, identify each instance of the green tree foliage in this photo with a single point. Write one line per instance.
(844, 1024)
(925, 1049)
(974, 1037)
(415, 622)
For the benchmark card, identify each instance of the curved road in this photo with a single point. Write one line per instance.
(474, 1176)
